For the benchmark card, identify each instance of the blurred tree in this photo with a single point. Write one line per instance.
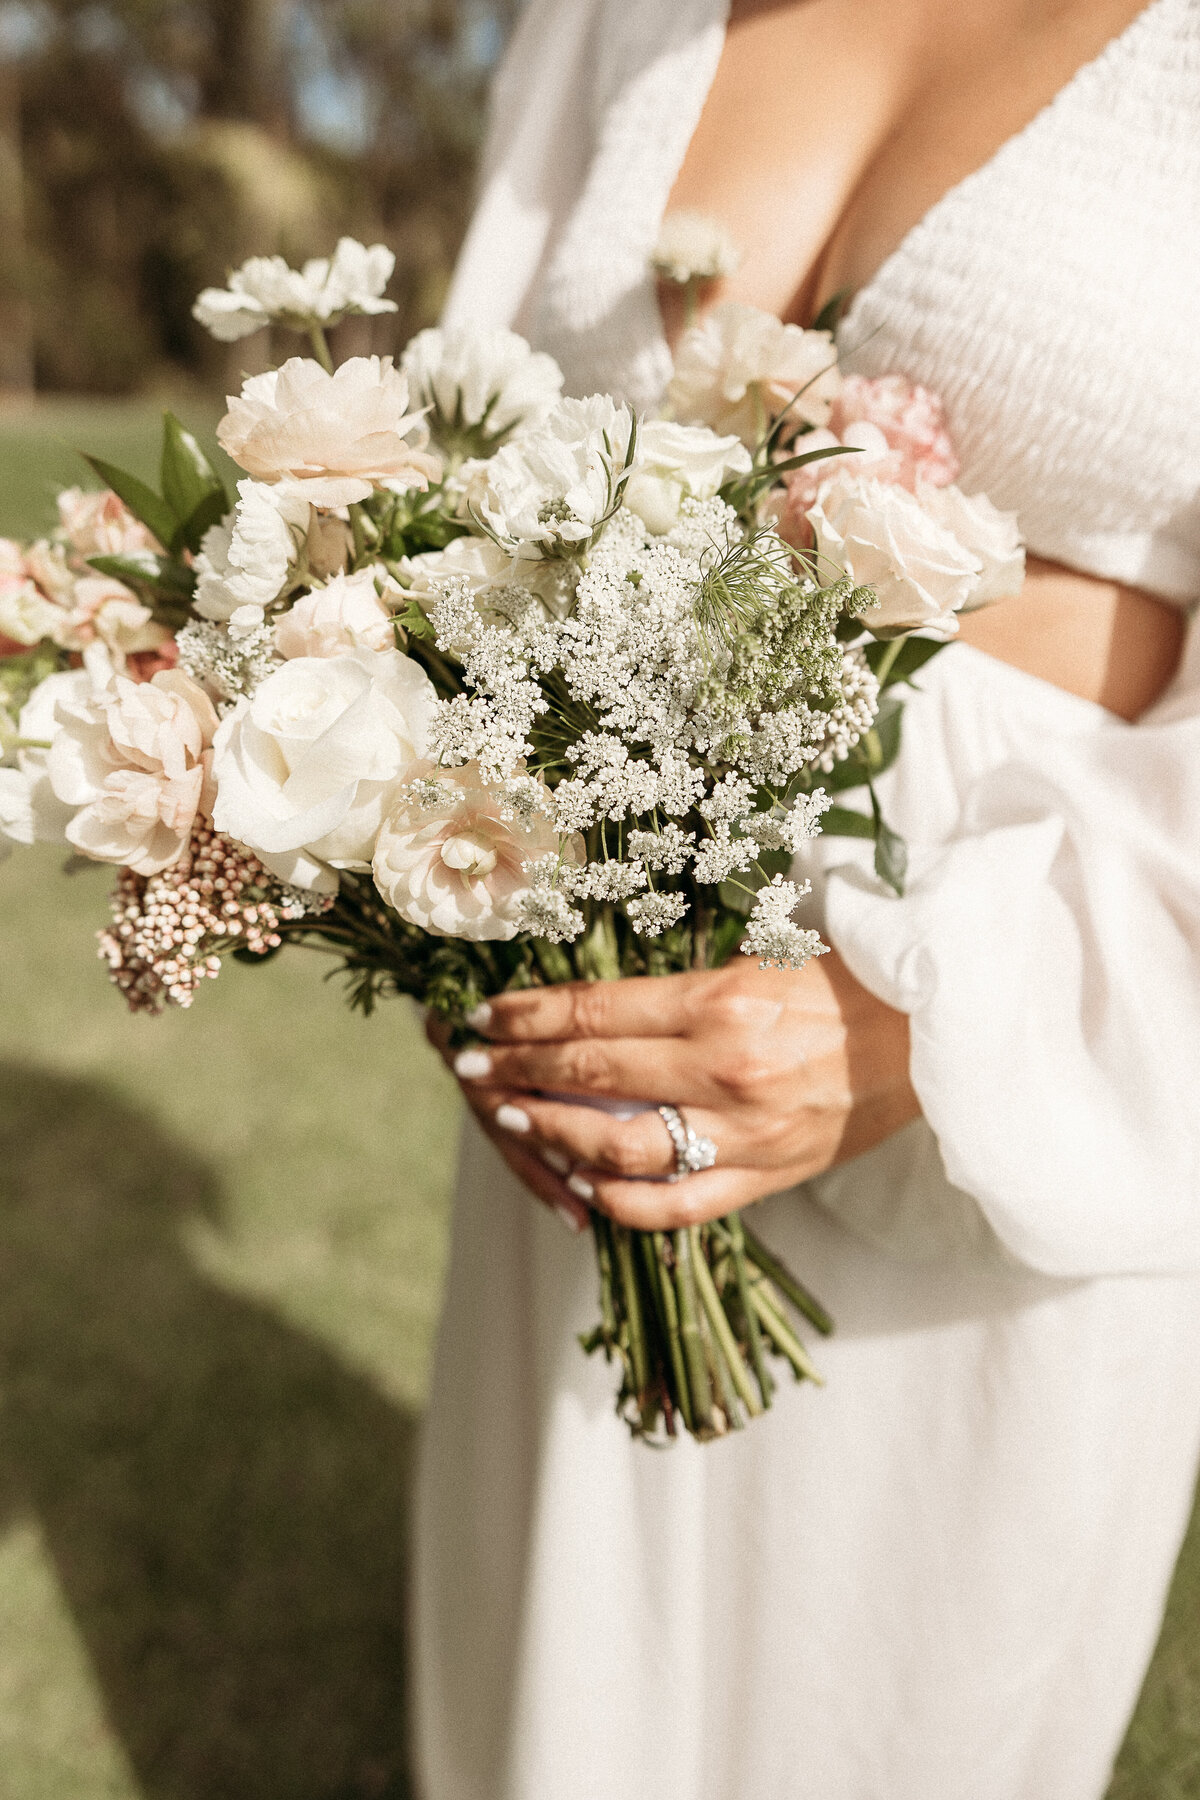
(146, 146)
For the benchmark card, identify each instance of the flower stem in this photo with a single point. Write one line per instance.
(656, 1250)
(801, 1299)
(639, 1361)
(320, 347)
(720, 1328)
(782, 1335)
(737, 1238)
(689, 1332)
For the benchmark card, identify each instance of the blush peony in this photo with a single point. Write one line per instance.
(307, 768)
(329, 439)
(133, 762)
(451, 856)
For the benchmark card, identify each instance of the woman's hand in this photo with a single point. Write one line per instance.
(787, 1071)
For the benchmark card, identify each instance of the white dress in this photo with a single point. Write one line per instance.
(941, 1576)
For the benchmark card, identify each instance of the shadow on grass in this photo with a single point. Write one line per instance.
(224, 1502)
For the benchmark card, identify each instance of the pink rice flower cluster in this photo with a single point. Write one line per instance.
(898, 430)
(168, 929)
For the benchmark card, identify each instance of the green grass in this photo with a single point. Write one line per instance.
(221, 1250)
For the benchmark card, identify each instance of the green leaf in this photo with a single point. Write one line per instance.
(833, 311)
(724, 939)
(188, 478)
(843, 821)
(414, 621)
(141, 500)
(209, 511)
(912, 655)
(891, 852)
(884, 737)
(145, 569)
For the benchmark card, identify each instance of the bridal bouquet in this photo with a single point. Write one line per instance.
(477, 687)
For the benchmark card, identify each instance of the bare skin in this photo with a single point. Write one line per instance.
(819, 179)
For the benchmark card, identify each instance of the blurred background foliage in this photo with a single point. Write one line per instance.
(148, 146)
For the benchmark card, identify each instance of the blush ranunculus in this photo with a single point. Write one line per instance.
(329, 439)
(345, 615)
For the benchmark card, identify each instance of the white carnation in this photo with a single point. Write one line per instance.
(740, 367)
(307, 768)
(246, 560)
(693, 247)
(481, 384)
(266, 289)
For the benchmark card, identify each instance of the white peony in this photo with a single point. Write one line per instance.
(349, 613)
(880, 536)
(547, 492)
(308, 767)
(132, 761)
(693, 247)
(329, 439)
(987, 533)
(739, 368)
(481, 384)
(451, 855)
(675, 461)
(247, 558)
(265, 289)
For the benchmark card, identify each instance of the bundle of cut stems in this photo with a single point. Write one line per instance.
(692, 1316)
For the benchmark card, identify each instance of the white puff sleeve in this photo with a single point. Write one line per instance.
(1047, 951)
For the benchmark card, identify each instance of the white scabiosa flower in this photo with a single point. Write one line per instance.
(308, 767)
(265, 290)
(246, 560)
(329, 439)
(738, 368)
(548, 492)
(880, 536)
(452, 855)
(693, 247)
(675, 462)
(481, 385)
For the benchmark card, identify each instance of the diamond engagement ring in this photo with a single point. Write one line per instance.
(692, 1152)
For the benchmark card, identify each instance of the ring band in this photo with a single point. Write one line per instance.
(692, 1152)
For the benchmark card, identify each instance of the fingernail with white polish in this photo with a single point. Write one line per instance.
(472, 1065)
(511, 1118)
(579, 1184)
(554, 1159)
(479, 1017)
(569, 1219)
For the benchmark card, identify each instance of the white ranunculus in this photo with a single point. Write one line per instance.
(265, 288)
(450, 861)
(26, 616)
(693, 247)
(132, 760)
(307, 768)
(546, 492)
(675, 461)
(987, 533)
(246, 559)
(880, 536)
(16, 811)
(481, 384)
(347, 614)
(738, 368)
(329, 439)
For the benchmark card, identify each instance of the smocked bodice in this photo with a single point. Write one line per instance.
(1051, 298)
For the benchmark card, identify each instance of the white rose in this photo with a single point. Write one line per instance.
(693, 247)
(482, 384)
(880, 536)
(132, 759)
(674, 461)
(246, 559)
(345, 615)
(324, 290)
(738, 368)
(987, 533)
(329, 439)
(547, 491)
(448, 860)
(26, 616)
(307, 768)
